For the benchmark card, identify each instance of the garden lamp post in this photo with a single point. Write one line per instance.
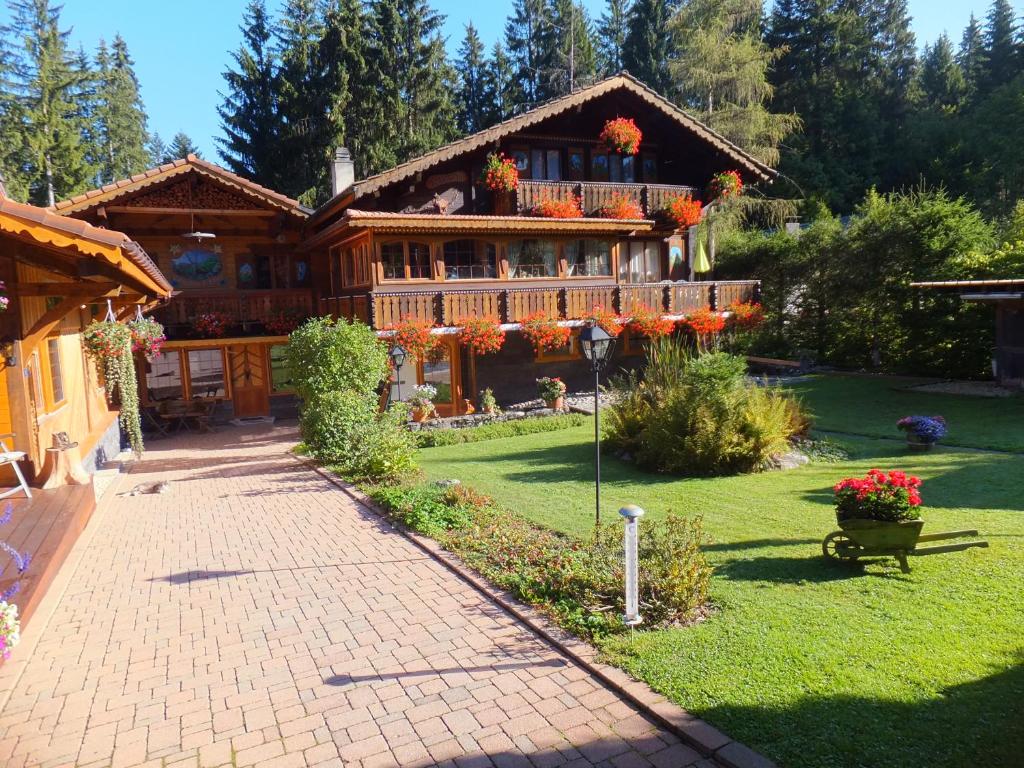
(597, 346)
(398, 355)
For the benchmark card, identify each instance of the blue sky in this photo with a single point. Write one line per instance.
(182, 47)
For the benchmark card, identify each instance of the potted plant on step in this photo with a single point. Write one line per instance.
(922, 431)
(880, 510)
(488, 404)
(422, 402)
(552, 392)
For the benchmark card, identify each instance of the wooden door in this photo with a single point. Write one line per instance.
(250, 391)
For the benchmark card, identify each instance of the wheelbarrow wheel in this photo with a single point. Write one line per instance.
(838, 546)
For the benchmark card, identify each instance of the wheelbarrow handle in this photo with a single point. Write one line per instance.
(945, 535)
(918, 551)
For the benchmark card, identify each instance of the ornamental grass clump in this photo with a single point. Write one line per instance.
(890, 497)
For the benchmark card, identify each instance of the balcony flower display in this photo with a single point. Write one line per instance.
(148, 336)
(621, 135)
(922, 431)
(417, 339)
(606, 320)
(544, 332)
(283, 321)
(500, 173)
(569, 208)
(422, 402)
(552, 392)
(481, 336)
(649, 322)
(621, 206)
(889, 497)
(684, 210)
(745, 315)
(213, 324)
(725, 185)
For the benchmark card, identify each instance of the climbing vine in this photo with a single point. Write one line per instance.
(109, 343)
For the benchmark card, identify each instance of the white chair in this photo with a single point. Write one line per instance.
(8, 456)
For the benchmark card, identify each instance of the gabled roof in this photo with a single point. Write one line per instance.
(622, 81)
(118, 189)
(116, 248)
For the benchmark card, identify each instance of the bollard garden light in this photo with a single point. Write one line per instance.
(597, 348)
(398, 355)
(630, 541)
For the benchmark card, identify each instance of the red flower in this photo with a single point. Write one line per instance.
(724, 185)
(684, 210)
(621, 206)
(650, 323)
(622, 135)
(416, 339)
(544, 332)
(606, 320)
(704, 322)
(482, 336)
(500, 173)
(745, 315)
(570, 208)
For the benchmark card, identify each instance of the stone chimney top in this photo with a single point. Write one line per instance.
(343, 171)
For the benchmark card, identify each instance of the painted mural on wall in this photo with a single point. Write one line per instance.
(196, 263)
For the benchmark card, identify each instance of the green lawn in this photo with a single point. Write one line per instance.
(814, 663)
(871, 405)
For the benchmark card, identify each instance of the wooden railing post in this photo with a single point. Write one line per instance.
(713, 296)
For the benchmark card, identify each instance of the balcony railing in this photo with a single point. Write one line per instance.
(244, 307)
(593, 194)
(511, 305)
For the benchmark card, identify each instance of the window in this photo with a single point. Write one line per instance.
(163, 380)
(206, 373)
(280, 375)
(348, 266)
(467, 259)
(640, 262)
(537, 163)
(599, 166)
(576, 165)
(628, 169)
(571, 351)
(392, 259)
(588, 258)
(56, 376)
(554, 169)
(615, 168)
(254, 272)
(532, 258)
(649, 166)
(419, 261)
(439, 375)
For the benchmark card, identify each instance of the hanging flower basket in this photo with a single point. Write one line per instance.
(417, 339)
(482, 337)
(109, 344)
(569, 208)
(544, 332)
(606, 320)
(148, 336)
(725, 185)
(500, 173)
(621, 135)
(684, 210)
(648, 322)
(212, 325)
(621, 206)
(107, 338)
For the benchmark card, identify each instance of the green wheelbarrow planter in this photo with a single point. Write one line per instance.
(875, 538)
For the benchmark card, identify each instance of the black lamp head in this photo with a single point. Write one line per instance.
(398, 355)
(596, 344)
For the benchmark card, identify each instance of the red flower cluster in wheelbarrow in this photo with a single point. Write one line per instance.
(881, 485)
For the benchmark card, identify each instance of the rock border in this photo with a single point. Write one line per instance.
(702, 736)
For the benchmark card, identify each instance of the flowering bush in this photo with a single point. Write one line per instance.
(10, 628)
(622, 135)
(745, 315)
(4, 300)
(725, 185)
(213, 324)
(283, 322)
(148, 336)
(650, 323)
(423, 397)
(927, 429)
(482, 336)
(606, 320)
(684, 210)
(888, 497)
(416, 339)
(621, 206)
(570, 208)
(705, 322)
(550, 389)
(500, 173)
(544, 332)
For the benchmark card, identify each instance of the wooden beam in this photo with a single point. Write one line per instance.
(102, 290)
(47, 323)
(246, 213)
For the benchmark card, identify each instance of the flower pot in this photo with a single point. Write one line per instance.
(489, 410)
(916, 443)
(884, 535)
(557, 404)
(503, 203)
(419, 415)
(468, 407)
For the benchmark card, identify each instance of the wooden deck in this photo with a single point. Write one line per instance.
(44, 527)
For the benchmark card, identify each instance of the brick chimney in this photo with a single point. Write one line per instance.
(343, 171)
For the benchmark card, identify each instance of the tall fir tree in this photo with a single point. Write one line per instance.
(720, 72)
(942, 83)
(647, 47)
(12, 149)
(45, 82)
(571, 58)
(1002, 52)
(971, 56)
(612, 28)
(344, 84)
(181, 147)
(896, 54)
(88, 110)
(499, 86)
(120, 118)
(527, 36)
(471, 64)
(248, 111)
(157, 150)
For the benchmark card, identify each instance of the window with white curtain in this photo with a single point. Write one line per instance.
(532, 258)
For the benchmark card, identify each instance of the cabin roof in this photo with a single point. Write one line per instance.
(49, 229)
(118, 189)
(622, 81)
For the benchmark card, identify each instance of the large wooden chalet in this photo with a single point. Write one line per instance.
(425, 241)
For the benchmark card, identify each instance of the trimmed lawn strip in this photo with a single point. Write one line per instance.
(810, 662)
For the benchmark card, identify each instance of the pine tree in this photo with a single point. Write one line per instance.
(896, 52)
(120, 118)
(971, 56)
(157, 150)
(611, 36)
(571, 54)
(647, 47)
(180, 148)
(1002, 57)
(45, 83)
(12, 149)
(344, 86)
(87, 112)
(248, 112)
(942, 83)
(472, 68)
(499, 86)
(527, 34)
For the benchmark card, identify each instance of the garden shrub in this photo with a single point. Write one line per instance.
(429, 509)
(328, 355)
(430, 438)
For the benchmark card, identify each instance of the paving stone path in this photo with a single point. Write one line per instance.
(255, 615)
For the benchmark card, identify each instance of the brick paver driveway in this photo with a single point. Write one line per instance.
(254, 615)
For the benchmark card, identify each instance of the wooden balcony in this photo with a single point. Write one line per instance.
(244, 307)
(594, 194)
(566, 302)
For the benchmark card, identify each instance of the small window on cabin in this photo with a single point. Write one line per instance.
(56, 374)
(348, 267)
(588, 258)
(649, 167)
(300, 272)
(280, 373)
(599, 166)
(575, 169)
(254, 272)
(537, 164)
(163, 380)
(419, 261)
(554, 165)
(615, 168)
(206, 373)
(469, 259)
(532, 258)
(629, 169)
(392, 258)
